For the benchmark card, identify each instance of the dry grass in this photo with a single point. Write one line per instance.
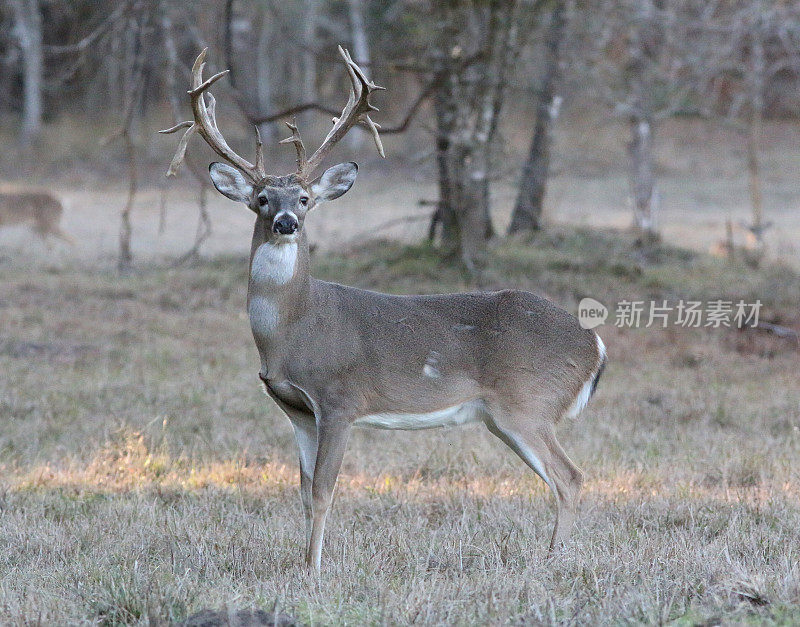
(146, 477)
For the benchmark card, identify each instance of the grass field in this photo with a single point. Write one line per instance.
(144, 476)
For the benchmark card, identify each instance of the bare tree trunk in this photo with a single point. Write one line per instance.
(754, 169)
(125, 230)
(362, 57)
(644, 193)
(28, 26)
(264, 77)
(755, 243)
(359, 32)
(527, 212)
(311, 10)
(476, 224)
(468, 97)
(133, 63)
(445, 112)
(730, 244)
(501, 50)
(227, 43)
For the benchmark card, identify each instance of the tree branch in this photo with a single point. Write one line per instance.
(401, 127)
(274, 117)
(88, 40)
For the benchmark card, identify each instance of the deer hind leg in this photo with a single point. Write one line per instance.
(569, 481)
(537, 446)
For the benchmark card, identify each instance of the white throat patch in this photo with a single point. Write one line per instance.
(264, 316)
(274, 264)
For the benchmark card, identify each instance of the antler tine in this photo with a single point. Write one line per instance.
(205, 123)
(180, 153)
(355, 111)
(211, 107)
(260, 167)
(302, 163)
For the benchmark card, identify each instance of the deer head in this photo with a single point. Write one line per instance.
(281, 201)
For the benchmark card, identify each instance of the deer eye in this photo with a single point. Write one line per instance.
(262, 200)
(304, 200)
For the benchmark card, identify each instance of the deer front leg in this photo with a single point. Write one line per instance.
(305, 432)
(332, 436)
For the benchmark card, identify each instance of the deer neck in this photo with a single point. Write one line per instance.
(278, 291)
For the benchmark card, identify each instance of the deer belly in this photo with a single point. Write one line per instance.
(472, 411)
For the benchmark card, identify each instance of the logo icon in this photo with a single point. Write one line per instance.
(591, 313)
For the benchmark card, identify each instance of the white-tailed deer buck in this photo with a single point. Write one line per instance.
(41, 210)
(334, 357)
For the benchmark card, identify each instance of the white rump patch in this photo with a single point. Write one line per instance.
(586, 391)
(274, 264)
(472, 411)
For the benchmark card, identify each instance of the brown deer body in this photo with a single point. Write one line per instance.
(39, 209)
(334, 357)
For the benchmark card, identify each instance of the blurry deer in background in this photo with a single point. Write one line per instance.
(333, 356)
(753, 250)
(39, 209)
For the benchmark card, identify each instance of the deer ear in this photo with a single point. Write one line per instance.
(335, 181)
(230, 182)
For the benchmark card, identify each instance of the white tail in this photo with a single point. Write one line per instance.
(591, 383)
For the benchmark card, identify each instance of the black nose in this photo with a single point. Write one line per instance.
(285, 225)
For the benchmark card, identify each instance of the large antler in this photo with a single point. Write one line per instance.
(205, 123)
(356, 111)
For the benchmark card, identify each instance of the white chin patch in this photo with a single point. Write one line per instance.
(264, 315)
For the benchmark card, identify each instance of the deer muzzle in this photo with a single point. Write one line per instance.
(285, 223)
